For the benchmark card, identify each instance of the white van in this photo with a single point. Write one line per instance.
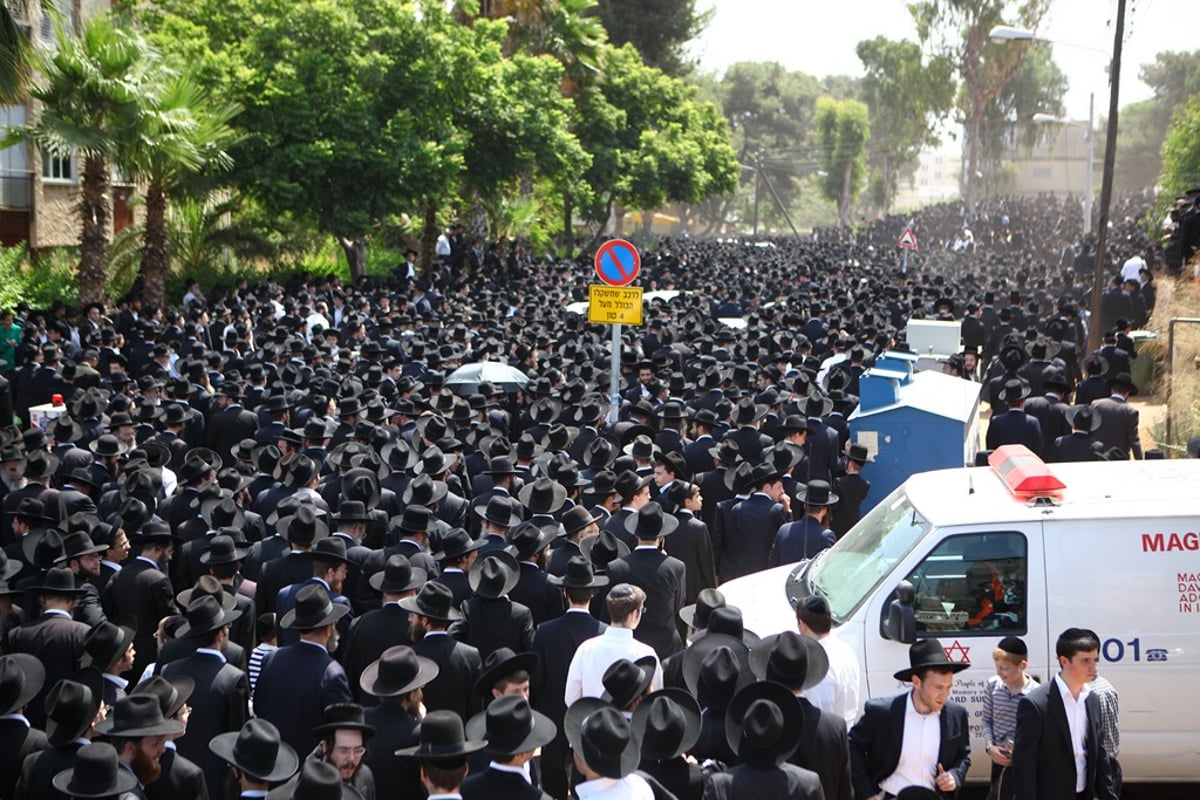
(972, 555)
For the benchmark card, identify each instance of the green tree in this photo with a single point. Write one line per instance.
(843, 128)
(958, 30)
(658, 29)
(92, 93)
(183, 133)
(907, 98)
(1174, 77)
(1181, 152)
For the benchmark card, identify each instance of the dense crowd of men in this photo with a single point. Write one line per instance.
(273, 542)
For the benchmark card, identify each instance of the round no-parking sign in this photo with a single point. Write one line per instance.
(617, 263)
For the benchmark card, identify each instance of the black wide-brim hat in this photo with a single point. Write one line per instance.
(206, 585)
(494, 575)
(435, 600)
(499, 663)
(667, 723)
(398, 670)
(136, 716)
(1122, 379)
(817, 493)
(764, 724)
(730, 669)
(72, 704)
(925, 654)
(626, 681)
(510, 727)
(651, 522)
(578, 575)
(457, 543)
(542, 496)
(258, 751)
(599, 734)
(696, 615)
(1088, 415)
(95, 774)
(602, 543)
(58, 580)
(398, 575)
(343, 716)
(441, 738)
(796, 661)
(313, 610)
(21, 677)
(172, 693)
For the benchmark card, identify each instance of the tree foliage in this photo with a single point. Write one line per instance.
(1174, 77)
(1181, 151)
(843, 128)
(907, 96)
(658, 29)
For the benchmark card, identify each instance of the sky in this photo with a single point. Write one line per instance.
(819, 38)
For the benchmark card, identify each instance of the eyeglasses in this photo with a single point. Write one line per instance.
(350, 751)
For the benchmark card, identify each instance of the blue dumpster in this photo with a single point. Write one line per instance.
(913, 422)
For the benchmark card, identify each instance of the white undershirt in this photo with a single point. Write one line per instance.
(918, 751)
(1077, 721)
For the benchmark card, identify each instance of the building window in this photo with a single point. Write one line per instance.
(60, 168)
(65, 11)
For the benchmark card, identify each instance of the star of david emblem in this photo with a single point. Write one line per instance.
(958, 653)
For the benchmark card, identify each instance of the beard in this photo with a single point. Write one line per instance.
(145, 766)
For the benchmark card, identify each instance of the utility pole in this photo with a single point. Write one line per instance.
(1110, 156)
(757, 187)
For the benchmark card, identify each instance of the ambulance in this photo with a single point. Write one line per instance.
(1019, 548)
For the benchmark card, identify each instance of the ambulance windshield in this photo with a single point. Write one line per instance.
(848, 572)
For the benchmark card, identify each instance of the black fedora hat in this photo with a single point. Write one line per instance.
(424, 491)
(304, 526)
(502, 662)
(696, 615)
(457, 543)
(106, 446)
(95, 774)
(398, 670)
(257, 750)
(58, 580)
(398, 575)
(927, 653)
(223, 549)
(794, 423)
(625, 681)
(21, 678)
(313, 610)
(798, 662)
(578, 575)
(105, 645)
(530, 538)
(510, 727)
(542, 496)
(415, 519)
(441, 737)
(435, 601)
(576, 518)
(1122, 380)
(320, 780)
(604, 483)
(1015, 389)
(727, 620)
(78, 544)
(599, 454)
(602, 548)
(599, 734)
(650, 522)
(630, 483)
(715, 667)
(859, 454)
(494, 575)
(816, 493)
(351, 511)
(764, 724)
(331, 549)
(343, 716)
(155, 531)
(301, 471)
(71, 706)
(135, 716)
(1083, 417)
(667, 723)
(500, 510)
(171, 693)
(817, 405)
(747, 412)
(206, 586)
(205, 615)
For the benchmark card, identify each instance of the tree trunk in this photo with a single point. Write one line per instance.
(93, 239)
(568, 234)
(154, 246)
(888, 179)
(844, 200)
(356, 256)
(970, 186)
(476, 221)
(429, 234)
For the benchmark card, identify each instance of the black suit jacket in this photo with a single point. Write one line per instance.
(263, 552)
(143, 592)
(685, 781)
(851, 491)
(459, 667)
(38, 770)
(176, 649)
(17, 741)
(492, 784)
(663, 580)
(1015, 427)
(370, 635)
(742, 781)
(556, 642)
(1078, 446)
(394, 729)
(746, 544)
(182, 778)
(1118, 425)
(692, 545)
(285, 571)
(58, 642)
(876, 739)
(825, 749)
(489, 624)
(535, 592)
(1043, 756)
(293, 688)
(220, 704)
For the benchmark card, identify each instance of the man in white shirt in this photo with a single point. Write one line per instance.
(1132, 266)
(837, 692)
(585, 676)
(1047, 764)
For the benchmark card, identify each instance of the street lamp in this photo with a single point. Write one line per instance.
(1089, 192)
(1007, 33)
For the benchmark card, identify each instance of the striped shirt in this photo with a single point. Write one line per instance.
(255, 664)
(1000, 709)
(1106, 693)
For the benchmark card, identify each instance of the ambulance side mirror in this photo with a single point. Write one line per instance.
(900, 623)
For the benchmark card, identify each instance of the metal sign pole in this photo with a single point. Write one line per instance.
(614, 411)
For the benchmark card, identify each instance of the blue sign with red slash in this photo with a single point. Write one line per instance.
(617, 263)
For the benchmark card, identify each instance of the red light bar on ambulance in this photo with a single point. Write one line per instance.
(1025, 475)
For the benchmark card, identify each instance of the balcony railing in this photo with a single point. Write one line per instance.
(16, 189)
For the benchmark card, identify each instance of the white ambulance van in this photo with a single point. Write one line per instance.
(1024, 549)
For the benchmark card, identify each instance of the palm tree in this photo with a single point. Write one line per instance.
(183, 133)
(92, 90)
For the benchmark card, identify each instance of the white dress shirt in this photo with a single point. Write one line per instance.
(631, 787)
(918, 751)
(1076, 708)
(837, 692)
(586, 673)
